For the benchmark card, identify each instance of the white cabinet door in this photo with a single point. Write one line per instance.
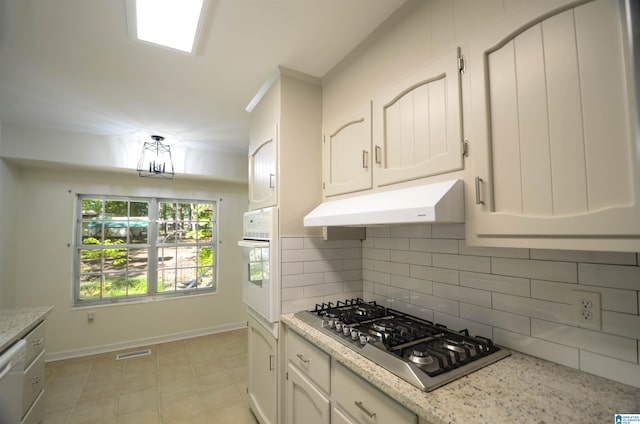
(555, 123)
(304, 403)
(359, 401)
(262, 385)
(418, 126)
(262, 172)
(347, 152)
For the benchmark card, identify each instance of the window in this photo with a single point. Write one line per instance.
(130, 248)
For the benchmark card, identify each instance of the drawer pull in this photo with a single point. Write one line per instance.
(37, 342)
(370, 414)
(303, 359)
(35, 381)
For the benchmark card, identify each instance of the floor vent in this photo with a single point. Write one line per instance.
(135, 354)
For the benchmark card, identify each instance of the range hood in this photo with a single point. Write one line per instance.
(441, 202)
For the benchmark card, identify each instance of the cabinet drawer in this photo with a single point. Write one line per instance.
(33, 382)
(363, 402)
(35, 343)
(36, 413)
(312, 361)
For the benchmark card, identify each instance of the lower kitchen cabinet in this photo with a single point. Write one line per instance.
(305, 402)
(319, 389)
(33, 385)
(356, 401)
(262, 381)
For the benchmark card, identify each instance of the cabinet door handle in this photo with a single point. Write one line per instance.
(271, 366)
(378, 155)
(365, 159)
(369, 414)
(479, 201)
(303, 359)
(272, 183)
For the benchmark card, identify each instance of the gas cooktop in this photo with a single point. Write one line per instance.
(424, 354)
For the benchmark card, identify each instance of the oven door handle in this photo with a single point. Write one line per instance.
(253, 243)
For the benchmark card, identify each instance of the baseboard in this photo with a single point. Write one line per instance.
(93, 350)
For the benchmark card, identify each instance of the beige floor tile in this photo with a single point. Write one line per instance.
(143, 415)
(101, 411)
(199, 380)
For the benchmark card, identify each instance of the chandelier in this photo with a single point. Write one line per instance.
(155, 159)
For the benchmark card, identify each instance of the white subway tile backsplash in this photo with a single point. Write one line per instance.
(440, 275)
(376, 277)
(456, 323)
(593, 341)
(376, 254)
(566, 272)
(499, 319)
(519, 297)
(620, 258)
(287, 268)
(434, 245)
(498, 252)
(615, 276)
(414, 284)
(614, 369)
(292, 243)
(625, 325)
(413, 231)
(448, 231)
(298, 280)
(496, 283)
(435, 303)
(534, 308)
(322, 266)
(392, 268)
(611, 299)
(323, 289)
(345, 275)
(462, 294)
(301, 255)
(560, 354)
(391, 243)
(462, 262)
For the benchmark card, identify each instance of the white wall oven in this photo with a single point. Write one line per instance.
(261, 293)
(260, 285)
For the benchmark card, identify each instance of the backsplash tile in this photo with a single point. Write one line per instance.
(519, 297)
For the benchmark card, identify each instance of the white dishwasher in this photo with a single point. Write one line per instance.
(11, 383)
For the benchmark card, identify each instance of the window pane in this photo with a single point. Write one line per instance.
(90, 286)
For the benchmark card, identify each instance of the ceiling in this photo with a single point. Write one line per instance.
(71, 65)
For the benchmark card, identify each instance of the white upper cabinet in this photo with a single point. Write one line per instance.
(347, 152)
(417, 125)
(554, 129)
(262, 172)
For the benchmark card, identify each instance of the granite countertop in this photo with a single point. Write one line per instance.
(519, 388)
(15, 323)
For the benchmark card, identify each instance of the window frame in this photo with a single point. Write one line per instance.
(152, 245)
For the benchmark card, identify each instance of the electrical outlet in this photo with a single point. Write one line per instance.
(91, 317)
(586, 309)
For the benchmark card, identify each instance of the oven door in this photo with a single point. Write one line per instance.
(259, 278)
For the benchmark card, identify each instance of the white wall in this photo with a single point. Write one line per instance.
(44, 262)
(8, 210)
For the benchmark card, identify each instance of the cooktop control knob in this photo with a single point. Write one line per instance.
(338, 326)
(363, 338)
(355, 334)
(346, 330)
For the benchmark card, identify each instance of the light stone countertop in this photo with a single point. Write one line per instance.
(517, 389)
(17, 322)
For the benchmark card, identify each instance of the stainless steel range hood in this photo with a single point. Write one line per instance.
(441, 202)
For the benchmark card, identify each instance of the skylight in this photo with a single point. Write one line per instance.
(169, 23)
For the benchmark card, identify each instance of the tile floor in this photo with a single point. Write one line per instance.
(198, 380)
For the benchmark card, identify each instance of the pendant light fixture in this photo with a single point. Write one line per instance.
(155, 160)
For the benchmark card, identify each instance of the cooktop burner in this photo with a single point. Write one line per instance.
(425, 354)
